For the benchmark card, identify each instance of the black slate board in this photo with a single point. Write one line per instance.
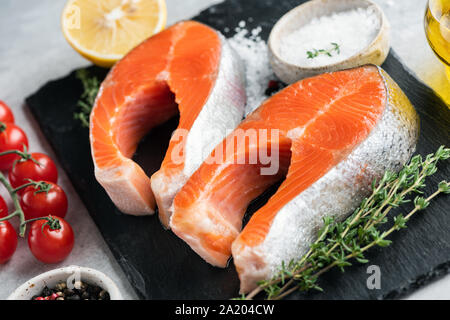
(161, 266)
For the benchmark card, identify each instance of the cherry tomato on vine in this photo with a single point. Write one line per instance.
(11, 138)
(6, 114)
(8, 241)
(48, 199)
(51, 241)
(3, 208)
(35, 166)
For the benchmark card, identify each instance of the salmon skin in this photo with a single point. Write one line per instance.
(337, 132)
(187, 69)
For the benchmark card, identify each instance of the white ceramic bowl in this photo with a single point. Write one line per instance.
(34, 286)
(375, 53)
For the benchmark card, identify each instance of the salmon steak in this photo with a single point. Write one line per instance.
(188, 69)
(327, 137)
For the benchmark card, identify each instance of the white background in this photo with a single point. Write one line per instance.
(33, 51)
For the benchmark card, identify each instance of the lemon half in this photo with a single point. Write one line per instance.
(103, 31)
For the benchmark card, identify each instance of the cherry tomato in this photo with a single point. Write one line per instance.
(3, 208)
(43, 170)
(50, 245)
(11, 138)
(8, 241)
(37, 203)
(6, 114)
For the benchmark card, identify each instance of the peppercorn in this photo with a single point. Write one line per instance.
(68, 292)
(46, 292)
(53, 296)
(73, 297)
(85, 295)
(103, 295)
(82, 291)
(273, 86)
(61, 286)
(79, 285)
(94, 290)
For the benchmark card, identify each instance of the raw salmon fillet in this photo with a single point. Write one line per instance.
(337, 132)
(187, 69)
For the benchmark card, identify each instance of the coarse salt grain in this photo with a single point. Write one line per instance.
(255, 54)
(352, 30)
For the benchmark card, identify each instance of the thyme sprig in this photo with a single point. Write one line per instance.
(91, 85)
(340, 242)
(313, 53)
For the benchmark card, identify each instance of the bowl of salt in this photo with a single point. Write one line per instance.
(328, 35)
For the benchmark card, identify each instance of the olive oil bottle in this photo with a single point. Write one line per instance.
(437, 28)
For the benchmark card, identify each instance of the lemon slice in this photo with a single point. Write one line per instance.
(103, 31)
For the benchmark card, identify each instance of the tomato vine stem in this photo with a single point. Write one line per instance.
(18, 209)
(51, 221)
(24, 155)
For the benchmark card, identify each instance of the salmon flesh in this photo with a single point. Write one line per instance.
(333, 134)
(188, 69)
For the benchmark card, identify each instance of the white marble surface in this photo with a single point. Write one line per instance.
(33, 51)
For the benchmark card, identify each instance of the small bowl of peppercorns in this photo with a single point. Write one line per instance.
(70, 283)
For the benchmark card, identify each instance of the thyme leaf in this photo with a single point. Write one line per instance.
(313, 53)
(339, 243)
(91, 85)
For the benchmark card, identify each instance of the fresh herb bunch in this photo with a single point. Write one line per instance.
(91, 85)
(329, 52)
(340, 242)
